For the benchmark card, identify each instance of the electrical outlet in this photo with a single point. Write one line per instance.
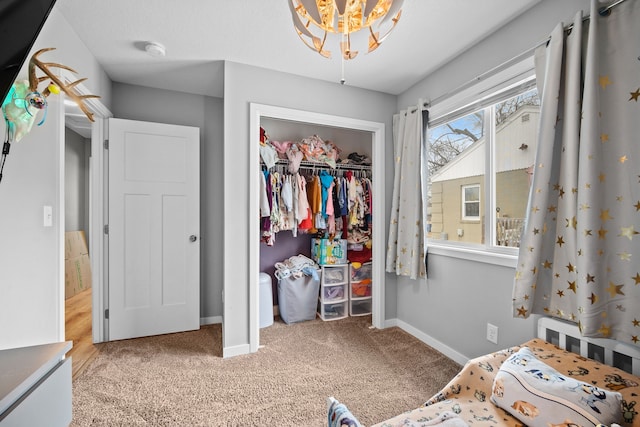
(492, 333)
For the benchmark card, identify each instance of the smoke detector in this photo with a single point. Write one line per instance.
(155, 49)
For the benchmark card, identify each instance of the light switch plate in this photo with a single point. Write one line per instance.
(48, 216)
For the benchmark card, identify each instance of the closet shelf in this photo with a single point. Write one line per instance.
(306, 164)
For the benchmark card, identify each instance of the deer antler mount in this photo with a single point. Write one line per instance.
(68, 89)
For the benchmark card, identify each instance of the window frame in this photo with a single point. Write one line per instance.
(464, 202)
(482, 95)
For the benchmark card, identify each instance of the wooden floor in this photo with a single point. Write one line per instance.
(78, 330)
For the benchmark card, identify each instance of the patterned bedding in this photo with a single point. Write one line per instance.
(469, 393)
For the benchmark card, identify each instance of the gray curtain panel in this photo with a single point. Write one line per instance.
(405, 250)
(580, 251)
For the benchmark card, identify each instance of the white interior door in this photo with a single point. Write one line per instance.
(154, 229)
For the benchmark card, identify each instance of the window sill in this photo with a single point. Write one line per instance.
(485, 256)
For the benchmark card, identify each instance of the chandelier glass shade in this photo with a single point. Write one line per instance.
(354, 25)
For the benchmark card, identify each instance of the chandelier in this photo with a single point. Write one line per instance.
(319, 22)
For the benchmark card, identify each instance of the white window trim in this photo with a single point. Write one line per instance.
(485, 255)
(464, 202)
(510, 77)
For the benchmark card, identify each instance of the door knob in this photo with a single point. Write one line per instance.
(193, 238)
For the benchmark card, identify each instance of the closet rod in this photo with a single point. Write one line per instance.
(603, 11)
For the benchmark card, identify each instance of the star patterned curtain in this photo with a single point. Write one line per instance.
(579, 259)
(405, 250)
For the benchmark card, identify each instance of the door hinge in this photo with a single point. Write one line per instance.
(106, 229)
(106, 144)
(106, 313)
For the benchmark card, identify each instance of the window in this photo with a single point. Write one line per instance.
(471, 202)
(480, 164)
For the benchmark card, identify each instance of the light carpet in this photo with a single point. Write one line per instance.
(182, 380)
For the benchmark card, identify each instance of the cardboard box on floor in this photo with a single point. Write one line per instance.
(77, 265)
(75, 244)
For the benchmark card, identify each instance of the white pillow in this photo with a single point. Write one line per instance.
(540, 396)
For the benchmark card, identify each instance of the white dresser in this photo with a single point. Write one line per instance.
(35, 386)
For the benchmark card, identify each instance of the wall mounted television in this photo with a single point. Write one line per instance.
(20, 24)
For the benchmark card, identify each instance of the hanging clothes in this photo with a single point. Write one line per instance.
(331, 219)
(343, 202)
(275, 201)
(265, 209)
(325, 182)
(314, 193)
(286, 219)
(328, 204)
(267, 236)
(304, 210)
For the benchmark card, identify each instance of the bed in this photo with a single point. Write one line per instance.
(557, 379)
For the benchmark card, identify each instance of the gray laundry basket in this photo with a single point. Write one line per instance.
(298, 298)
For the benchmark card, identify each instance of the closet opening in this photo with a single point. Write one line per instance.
(352, 285)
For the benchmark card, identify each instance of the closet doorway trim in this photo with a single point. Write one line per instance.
(259, 111)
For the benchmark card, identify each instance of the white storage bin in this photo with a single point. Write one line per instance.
(265, 292)
(332, 311)
(360, 308)
(361, 273)
(334, 293)
(360, 290)
(334, 274)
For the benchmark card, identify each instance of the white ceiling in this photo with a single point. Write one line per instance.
(200, 34)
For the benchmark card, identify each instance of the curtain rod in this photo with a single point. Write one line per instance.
(603, 11)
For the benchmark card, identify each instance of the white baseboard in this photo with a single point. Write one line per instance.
(211, 320)
(237, 350)
(388, 323)
(428, 340)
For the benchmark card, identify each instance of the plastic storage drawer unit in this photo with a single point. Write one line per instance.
(360, 284)
(334, 292)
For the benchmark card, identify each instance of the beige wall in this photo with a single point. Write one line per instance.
(446, 196)
(512, 192)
